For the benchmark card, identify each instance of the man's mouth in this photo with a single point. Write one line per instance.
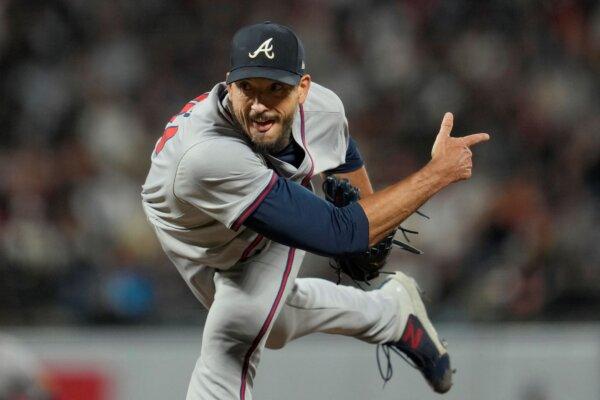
(262, 124)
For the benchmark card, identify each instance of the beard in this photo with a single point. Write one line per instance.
(280, 143)
(274, 146)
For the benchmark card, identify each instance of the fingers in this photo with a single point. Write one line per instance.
(475, 138)
(447, 123)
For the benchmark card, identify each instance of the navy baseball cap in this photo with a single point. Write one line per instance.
(266, 50)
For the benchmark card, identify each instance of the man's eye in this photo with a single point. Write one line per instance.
(245, 86)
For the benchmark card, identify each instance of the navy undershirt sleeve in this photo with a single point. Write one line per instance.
(353, 160)
(292, 215)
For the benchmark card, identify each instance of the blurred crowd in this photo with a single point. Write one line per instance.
(87, 86)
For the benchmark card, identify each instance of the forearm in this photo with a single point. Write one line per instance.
(450, 162)
(388, 208)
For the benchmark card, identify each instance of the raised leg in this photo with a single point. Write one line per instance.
(317, 305)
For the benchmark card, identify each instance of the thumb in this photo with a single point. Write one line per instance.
(444, 132)
(447, 123)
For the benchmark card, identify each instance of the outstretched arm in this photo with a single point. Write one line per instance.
(450, 162)
(294, 216)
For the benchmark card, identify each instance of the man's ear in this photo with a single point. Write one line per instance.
(303, 88)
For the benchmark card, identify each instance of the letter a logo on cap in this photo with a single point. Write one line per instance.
(265, 47)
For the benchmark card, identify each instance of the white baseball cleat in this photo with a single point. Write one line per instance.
(416, 337)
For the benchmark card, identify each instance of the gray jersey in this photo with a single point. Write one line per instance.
(206, 178)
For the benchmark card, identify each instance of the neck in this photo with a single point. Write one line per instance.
(283, 142)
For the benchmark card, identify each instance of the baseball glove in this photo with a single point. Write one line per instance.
(361, 267)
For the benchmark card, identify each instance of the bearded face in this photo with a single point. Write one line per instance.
(265, 109)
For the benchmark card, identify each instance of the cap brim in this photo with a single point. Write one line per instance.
(279, 75)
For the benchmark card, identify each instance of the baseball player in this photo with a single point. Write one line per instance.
(229, 195)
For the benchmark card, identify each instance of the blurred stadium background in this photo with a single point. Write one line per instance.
(512, 261)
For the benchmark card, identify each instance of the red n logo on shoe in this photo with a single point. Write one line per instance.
(412, 335)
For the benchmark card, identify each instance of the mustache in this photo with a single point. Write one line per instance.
(264, 116)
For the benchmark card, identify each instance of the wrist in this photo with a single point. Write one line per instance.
(435, 175)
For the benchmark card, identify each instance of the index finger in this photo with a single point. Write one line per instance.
(447, 123)
(475, 138)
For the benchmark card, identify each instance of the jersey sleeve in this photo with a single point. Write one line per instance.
(292, 215)
(225, 179)
(353, 160)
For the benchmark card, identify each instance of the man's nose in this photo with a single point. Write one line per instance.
(258, 106)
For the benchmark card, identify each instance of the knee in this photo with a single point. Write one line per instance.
(280, 334)
(275, 341)
(240, 322)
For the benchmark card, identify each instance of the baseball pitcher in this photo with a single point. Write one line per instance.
(230, 198)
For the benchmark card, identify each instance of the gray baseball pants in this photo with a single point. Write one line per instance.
(260, 303)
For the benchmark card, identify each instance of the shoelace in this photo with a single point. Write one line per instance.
(389, 370)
